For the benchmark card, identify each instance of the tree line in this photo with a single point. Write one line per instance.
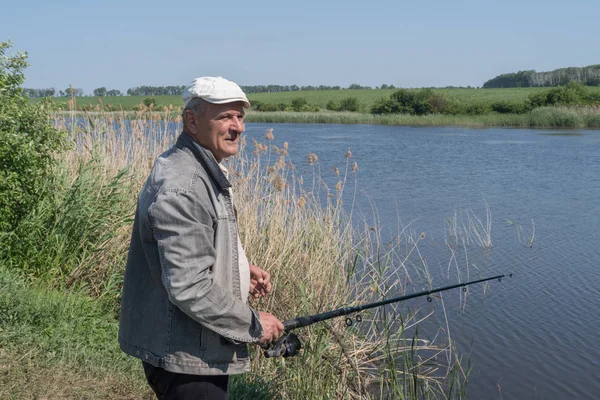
(177, 90)
(589, 76)
(68, 92)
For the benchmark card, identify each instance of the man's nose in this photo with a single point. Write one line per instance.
(238, 125)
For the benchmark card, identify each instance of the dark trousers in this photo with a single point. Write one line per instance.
(172, 386)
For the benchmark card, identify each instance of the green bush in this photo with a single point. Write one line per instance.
(571, 94)
(149, 101)
(299, 103)
(477, 109)
(349, 104)
(83, 213)
(508, 107)
(27, 144)
(332, 106)
(413, 102)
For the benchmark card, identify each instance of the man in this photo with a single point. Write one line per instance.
(184, 311)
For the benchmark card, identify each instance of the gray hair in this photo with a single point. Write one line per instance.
(195, 105)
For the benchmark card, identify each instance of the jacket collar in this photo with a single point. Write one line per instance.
(206, 158)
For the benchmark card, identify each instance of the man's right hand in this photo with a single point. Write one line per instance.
(272, 328)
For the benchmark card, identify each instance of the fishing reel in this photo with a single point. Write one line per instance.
(287, 345)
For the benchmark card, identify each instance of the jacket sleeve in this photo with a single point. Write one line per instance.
(183, 230)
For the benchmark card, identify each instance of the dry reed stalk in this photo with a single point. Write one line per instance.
(316, 257)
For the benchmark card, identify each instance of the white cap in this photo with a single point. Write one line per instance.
(214, 89)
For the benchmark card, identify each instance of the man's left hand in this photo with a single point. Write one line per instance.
(260, 282)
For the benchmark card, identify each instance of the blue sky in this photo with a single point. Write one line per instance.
(122, 44)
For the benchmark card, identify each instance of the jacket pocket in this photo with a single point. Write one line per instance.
(187, 335)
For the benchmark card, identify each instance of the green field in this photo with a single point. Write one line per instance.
(321, 97)
(476, 108)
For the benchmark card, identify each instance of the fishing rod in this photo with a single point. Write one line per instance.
(288, 345)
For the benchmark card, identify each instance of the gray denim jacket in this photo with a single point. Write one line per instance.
(182, 308)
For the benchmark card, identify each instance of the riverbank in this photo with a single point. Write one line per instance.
(543, 117)
(63, 267)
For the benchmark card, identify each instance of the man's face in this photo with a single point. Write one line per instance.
(219, 128)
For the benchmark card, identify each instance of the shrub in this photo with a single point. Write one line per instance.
(332, 106)
(508, 107)
(27, 144)
(414, 102)
(477, 109)
(299, 103)
(571, 94)
(149, 101)
(349, 104)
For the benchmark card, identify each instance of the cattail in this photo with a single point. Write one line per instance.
(336, 171)
(301, 202)
(312, 158)
(278, 183)
(285, 145)
(281, 162)
(423, 235)
(338, 186)
(355, 167)
(300, 181)
(269, 135)
(348, 154)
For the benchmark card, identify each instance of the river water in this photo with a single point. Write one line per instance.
(536, 335)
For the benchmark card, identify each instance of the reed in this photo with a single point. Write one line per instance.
(319, 254)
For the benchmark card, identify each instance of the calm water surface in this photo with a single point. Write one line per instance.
(537, 335)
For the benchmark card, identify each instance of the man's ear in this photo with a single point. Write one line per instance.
(190, 120)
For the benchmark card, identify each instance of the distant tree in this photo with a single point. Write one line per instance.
(113, 92)
(100, 92)
(71, 91)
(356, 86)
(557, 77)
(155, 90)
(33, 93)
(149, 101)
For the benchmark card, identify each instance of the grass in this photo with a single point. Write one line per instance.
(543, 117)
(321, 97)
(55, 344)
(60, 291)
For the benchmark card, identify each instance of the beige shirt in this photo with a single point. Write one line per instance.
(244, 265)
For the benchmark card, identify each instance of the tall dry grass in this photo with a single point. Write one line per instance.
(319, 254)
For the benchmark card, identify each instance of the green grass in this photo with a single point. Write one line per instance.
(57, 345)
(544, 117)
(51, 338)
(321, 97)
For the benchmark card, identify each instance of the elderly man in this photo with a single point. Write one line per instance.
(187, 280)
